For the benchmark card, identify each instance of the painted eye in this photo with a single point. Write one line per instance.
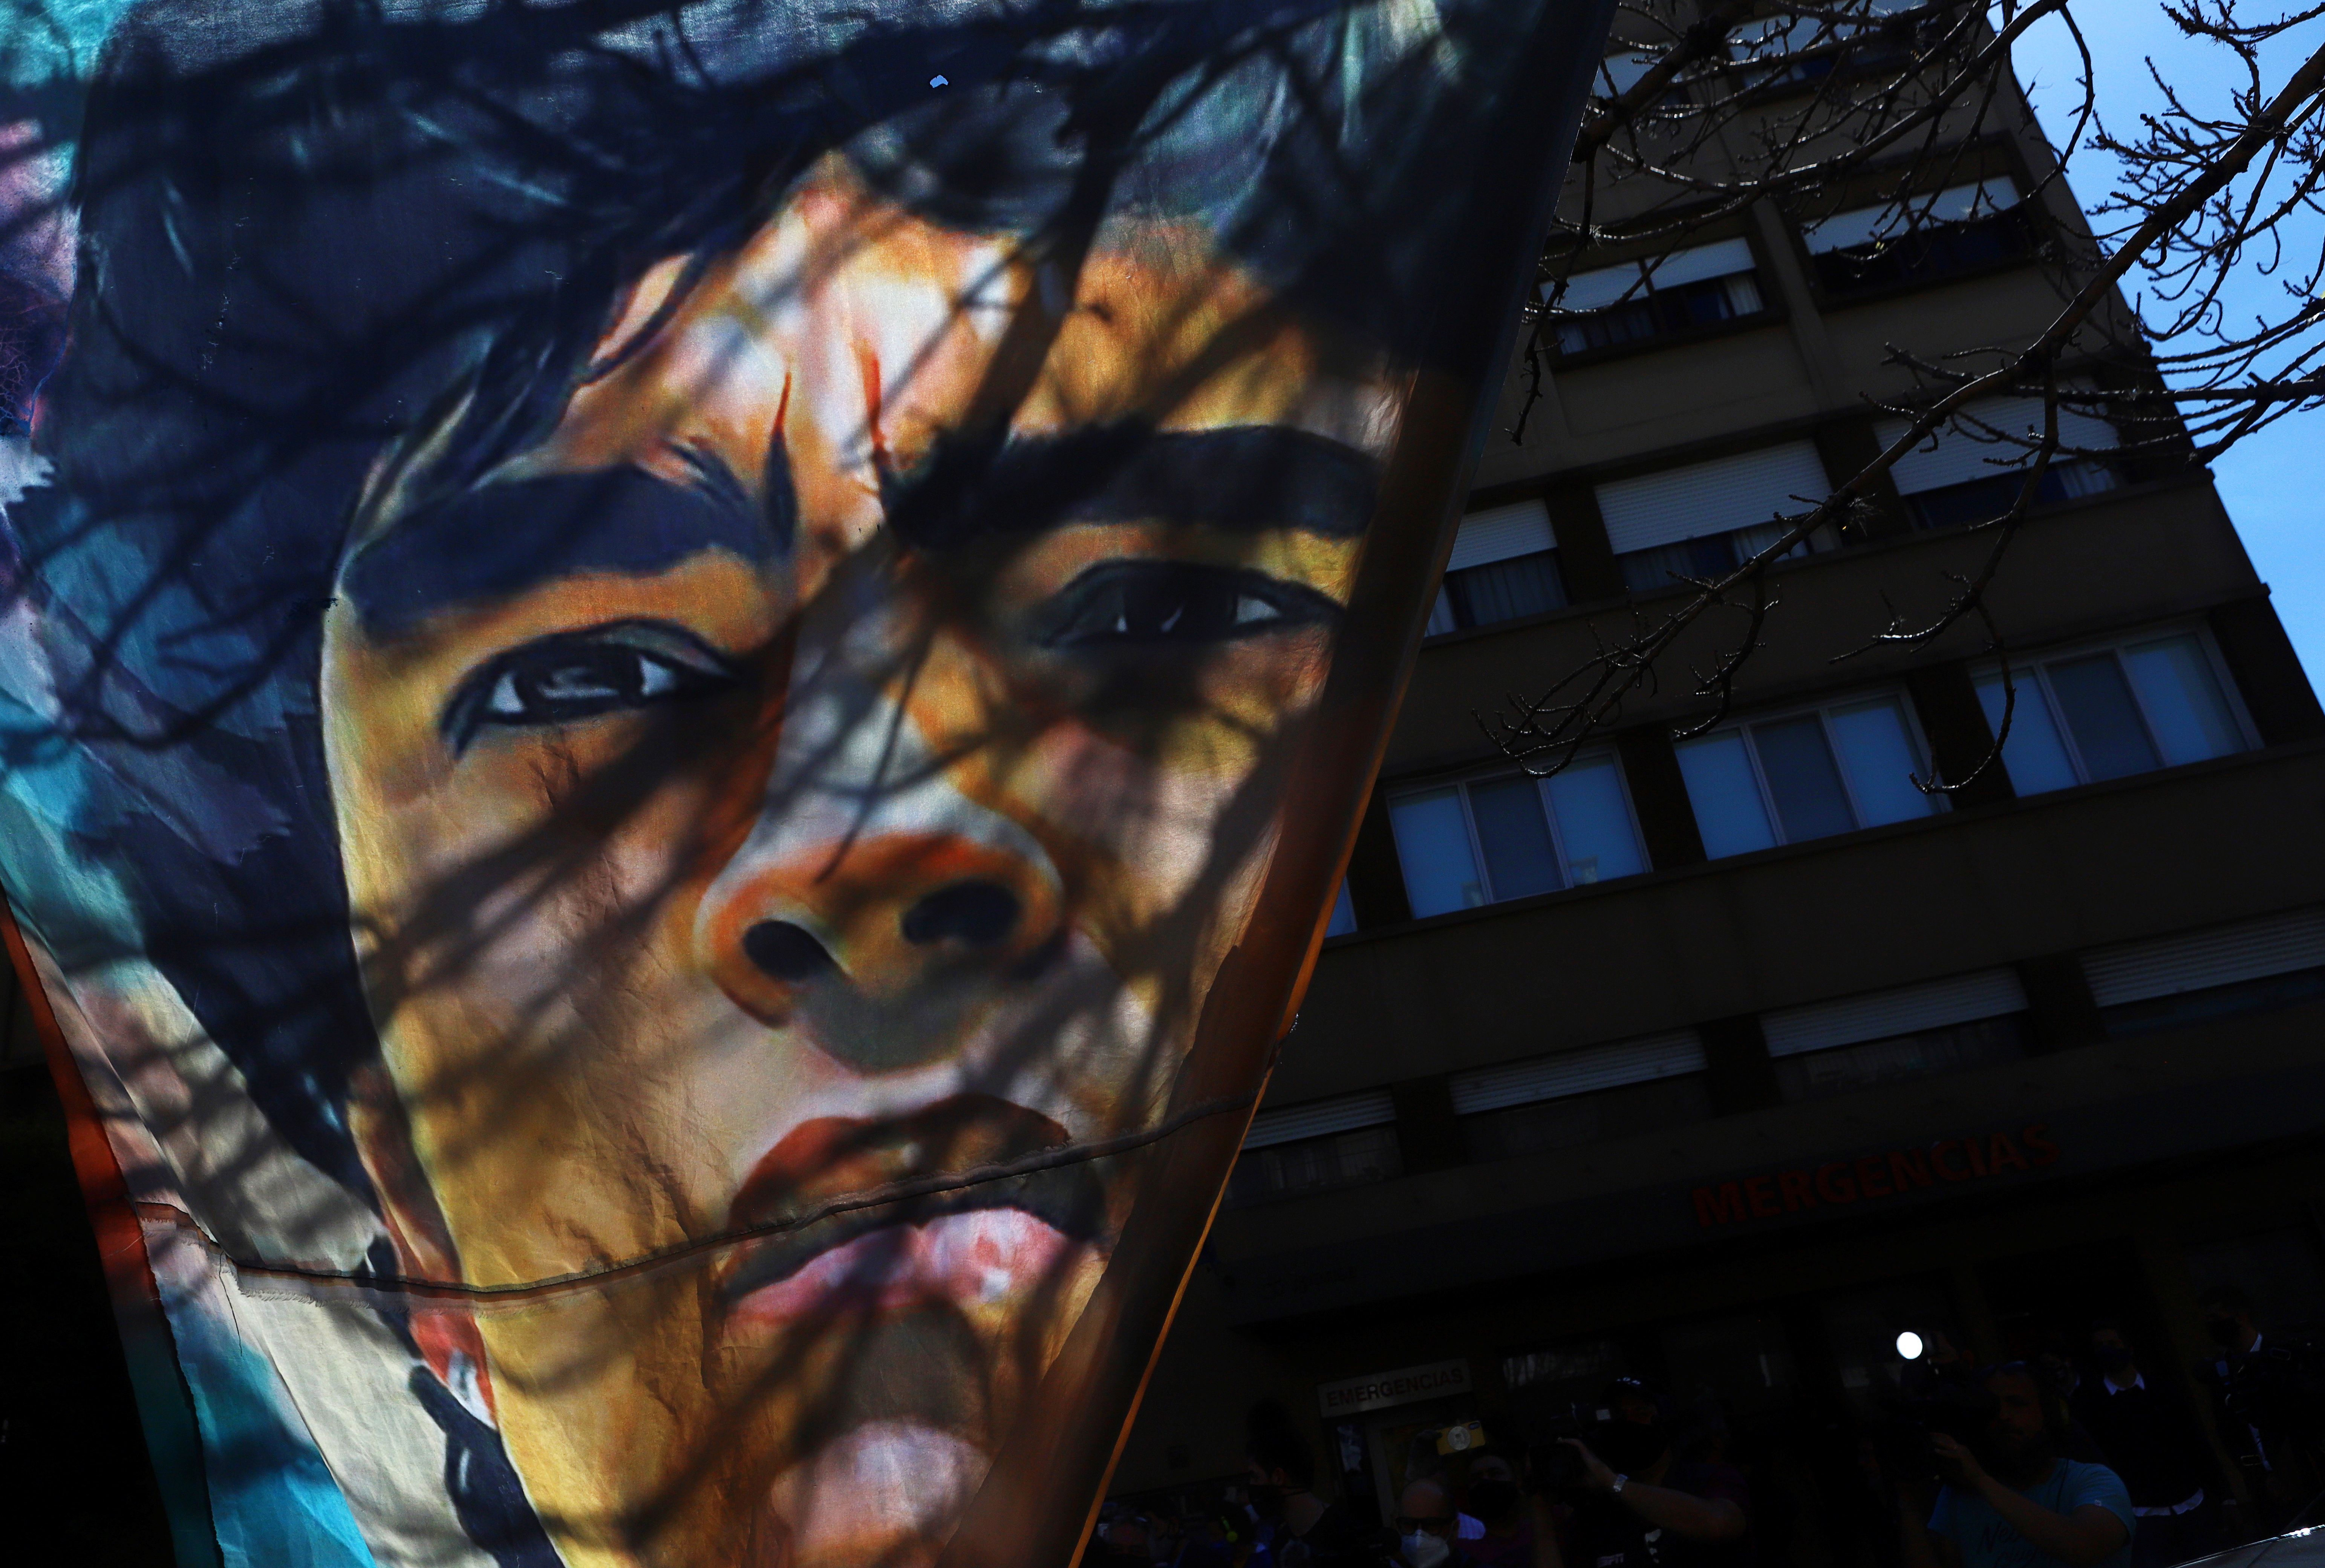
(576, 675)
(1126, 603)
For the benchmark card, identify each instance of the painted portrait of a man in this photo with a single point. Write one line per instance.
(696, 675)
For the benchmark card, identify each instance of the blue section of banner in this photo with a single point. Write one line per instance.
(58, 39)
(273, 1501)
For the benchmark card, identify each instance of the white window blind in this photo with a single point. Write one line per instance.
(2167, 966)
(1319, 1118)
(1578, 1071)
(1769, 34)
(1879, 1015)
(1599, 288)
(1500, 533)
(1864, 225)
(1957, 454)
(1719, 497)
(1697, 263)
(1603, 286)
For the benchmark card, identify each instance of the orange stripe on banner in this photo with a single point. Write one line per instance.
(148, 1347)
(120, 1244)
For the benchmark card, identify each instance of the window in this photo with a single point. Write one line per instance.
(1344, 914)
(1620, 72)
(2163, 982)
(1510, 836)
(1639, 300)
(2103, 713)
(1962, 471)
(1924, 1054)
(1316, 1147)
(1573, 1372)
(1760, 46)
(1804, 775)
(1920, 238)
(1504, 567)
(1705, 519)
(1947, 1026)
(1581, 1096)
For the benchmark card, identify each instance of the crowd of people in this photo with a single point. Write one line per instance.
(2071, 1459)
(1626, 1496)
(2080, 1460)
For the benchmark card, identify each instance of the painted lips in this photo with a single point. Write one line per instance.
(982, 1257)
(940, 1205)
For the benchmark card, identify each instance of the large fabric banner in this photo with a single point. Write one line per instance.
(682, 689)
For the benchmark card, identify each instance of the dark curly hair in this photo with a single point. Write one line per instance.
(303, 235)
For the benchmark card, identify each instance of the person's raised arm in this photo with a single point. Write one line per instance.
(1699, 1519)
(2083, 1538)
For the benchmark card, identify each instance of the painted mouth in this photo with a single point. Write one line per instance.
(970, 1226)
(980, 1258)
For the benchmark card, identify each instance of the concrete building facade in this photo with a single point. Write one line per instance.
(1723, 1059)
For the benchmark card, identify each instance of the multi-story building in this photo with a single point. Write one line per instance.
(1726, 1060)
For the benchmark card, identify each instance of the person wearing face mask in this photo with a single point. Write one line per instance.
(1424, 1459)
(1428, 1528)
(1643, 1509)
(2268, 1395)
(2151, 1440)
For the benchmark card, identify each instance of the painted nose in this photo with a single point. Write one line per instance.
(975, 914)
(882, 919)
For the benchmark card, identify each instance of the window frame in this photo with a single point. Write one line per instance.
(1450, 604)
(1727, 470)
(1847, 1030)
(1925, 509)
(1737, 548)
(1771, 308)
(1996, 1041)
(2079, 472)
(1462, 783)
(1261, 1184)
(1851, 50)
(1443, 606)
(2246, 966)
(2035, 665)
(2026, 213)
(1914, 738)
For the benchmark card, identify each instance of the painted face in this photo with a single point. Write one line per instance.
(792, 812)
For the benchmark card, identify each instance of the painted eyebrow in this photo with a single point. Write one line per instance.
(502, 540)
(1243, 478)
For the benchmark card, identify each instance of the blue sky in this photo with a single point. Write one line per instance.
(2272, 493)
